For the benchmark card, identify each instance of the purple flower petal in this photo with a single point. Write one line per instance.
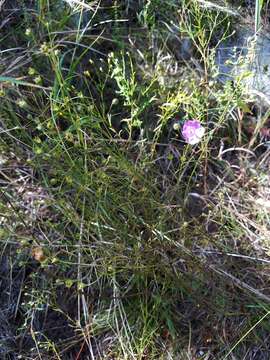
(193, 131)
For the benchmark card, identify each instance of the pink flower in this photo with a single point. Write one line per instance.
(193, 131)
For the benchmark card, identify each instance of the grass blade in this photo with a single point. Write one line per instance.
(258, 8)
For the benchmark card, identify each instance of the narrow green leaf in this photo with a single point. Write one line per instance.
(21, 82)
(258, 8)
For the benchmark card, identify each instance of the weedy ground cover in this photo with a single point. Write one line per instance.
(134, 198)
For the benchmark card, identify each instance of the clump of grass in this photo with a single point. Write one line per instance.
(122, 241)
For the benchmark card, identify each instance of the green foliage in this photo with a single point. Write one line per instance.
(122, 241)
